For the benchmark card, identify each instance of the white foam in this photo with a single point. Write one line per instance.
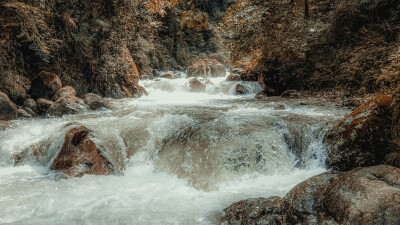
(141, 196)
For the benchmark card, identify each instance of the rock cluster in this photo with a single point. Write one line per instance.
(369, 195)
(49, 97)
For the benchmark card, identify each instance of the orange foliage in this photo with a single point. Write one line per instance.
(159, 6)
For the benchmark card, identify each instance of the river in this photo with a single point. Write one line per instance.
(182, 157)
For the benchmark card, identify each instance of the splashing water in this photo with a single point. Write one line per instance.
(183, 157)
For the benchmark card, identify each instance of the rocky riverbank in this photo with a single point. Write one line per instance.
(363, 195)
(368, 195)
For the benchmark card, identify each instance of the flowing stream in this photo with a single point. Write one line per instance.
(181, 157)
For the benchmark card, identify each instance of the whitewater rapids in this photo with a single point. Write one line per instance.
(183, 157)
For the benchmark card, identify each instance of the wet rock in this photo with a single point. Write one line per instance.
(196, 85)
(207, 68)
(123, 76)
(67, 105)
(290, 94)
(8, 110)
(167, 75)
(232, 77)
(363, 137)
(45, 85)
(367, 195)
(31, 104)
(94, 101)
(79, 155)
(44, 104)
(23, 113)
(255, 211)
(4, 124)
(240, 89)
(63, 92)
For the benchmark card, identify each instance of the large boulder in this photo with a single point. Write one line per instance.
(363, 137)
(206, 68)
(367, 195)
(45, 85)
(79, 155)
(196, 85)
(8, 110)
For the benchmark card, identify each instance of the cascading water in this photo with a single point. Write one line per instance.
(180, 157)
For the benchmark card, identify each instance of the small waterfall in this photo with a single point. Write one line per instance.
(181, 157)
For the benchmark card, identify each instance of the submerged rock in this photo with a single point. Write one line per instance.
(45, 85)
(8, 110)
(362, 196)
(240, 89)
(79, 155)
(363, 137)
(196, 85)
